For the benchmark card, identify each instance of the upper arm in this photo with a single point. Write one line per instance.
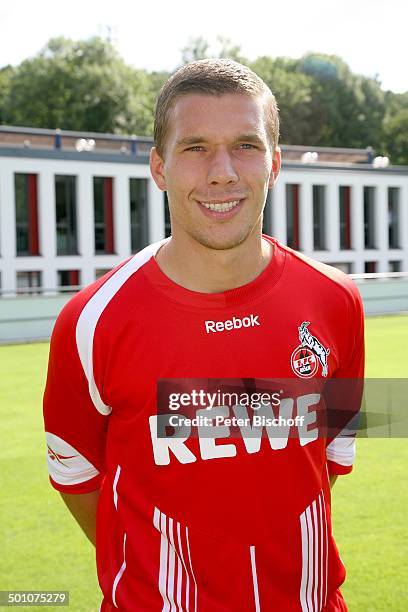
(75, 429)
(332, 479)
(346, 389)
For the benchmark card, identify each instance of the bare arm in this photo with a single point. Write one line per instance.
(333, 479)
(83, 509)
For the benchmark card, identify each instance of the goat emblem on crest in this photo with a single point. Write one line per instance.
(305, 358)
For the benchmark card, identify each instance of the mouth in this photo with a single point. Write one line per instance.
(221, 206)
(221, 209)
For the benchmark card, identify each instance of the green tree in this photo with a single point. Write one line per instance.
(5, 76)
(78, 85)
(346, 110)
(395, 128)
(87, 86)
(293, 91)
(156, 81)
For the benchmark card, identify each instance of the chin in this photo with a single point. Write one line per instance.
(223, 243)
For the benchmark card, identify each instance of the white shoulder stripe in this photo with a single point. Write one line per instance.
(90, 315)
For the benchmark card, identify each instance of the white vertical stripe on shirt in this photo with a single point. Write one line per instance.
(313, 532)
(159, 521)
(179, 565)
(192, 571)
(179, 582)
(305, 562)
(327, 552)
(119, 574)
(311, 559)
(171, 553)
(254, 578)
(156, 518)
(115, 484)
(171, 567)
(164, 552)
(185, 567)
(322, 541)
(316, 555)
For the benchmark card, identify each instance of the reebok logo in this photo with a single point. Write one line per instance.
(229, 324)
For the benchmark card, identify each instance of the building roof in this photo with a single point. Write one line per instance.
(64, 144)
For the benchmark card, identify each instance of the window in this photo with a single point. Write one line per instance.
(393, 218)
(65, 200)
(267, 222)
(370, 267)
(103, 214)
(25, 189)
(394, 266)
(167, 224)
(345, 217)
(319, 194)
(292, 216)
(138, 214)
(369, 217)
(68, 278)
(29, 282)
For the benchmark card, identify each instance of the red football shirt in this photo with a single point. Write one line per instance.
(222, 518)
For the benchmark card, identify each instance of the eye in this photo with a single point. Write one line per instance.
(247, 145)
(195, 148)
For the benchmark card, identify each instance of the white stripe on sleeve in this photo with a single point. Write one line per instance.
(66, 465)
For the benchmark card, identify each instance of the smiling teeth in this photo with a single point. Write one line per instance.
(221, 207)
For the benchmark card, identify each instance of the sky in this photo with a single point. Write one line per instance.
(370, 35)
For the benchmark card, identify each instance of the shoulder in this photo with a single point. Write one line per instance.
(86, 307)
(315, 275)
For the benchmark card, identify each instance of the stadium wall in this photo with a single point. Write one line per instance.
(30, 318)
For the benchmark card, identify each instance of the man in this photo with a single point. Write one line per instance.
(220, 515)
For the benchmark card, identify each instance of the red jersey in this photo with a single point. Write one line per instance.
(206, 521)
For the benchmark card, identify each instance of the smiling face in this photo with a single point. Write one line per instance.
(218, 165)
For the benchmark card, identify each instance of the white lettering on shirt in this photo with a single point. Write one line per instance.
(251, 434)
(234, 323)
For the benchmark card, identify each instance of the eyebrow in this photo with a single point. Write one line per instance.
(255, 138)
(190, 140)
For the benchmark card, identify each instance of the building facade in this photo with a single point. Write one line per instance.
(72, 206)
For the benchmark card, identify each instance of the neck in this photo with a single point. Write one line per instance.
(198, 268)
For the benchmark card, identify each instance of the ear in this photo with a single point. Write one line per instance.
(157, 169)
(276, 166)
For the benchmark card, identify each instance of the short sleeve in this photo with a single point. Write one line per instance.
(341, 448)
(75, 430)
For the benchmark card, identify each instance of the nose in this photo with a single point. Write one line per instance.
(221, 170)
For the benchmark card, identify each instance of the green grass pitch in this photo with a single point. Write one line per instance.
(43, 549)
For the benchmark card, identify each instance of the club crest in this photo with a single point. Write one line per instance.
(306, 357)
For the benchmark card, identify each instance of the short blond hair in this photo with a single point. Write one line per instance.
(214, 77)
